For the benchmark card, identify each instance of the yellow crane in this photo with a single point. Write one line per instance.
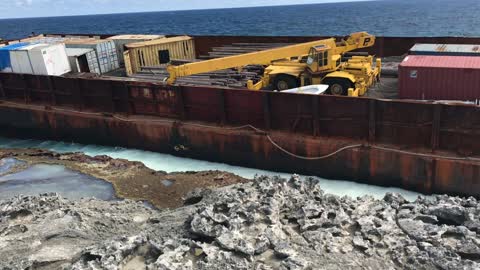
(302, 64)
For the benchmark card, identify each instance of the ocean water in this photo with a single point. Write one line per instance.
(171, 163)
(383, 17)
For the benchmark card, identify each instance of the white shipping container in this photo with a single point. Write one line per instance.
(40, 59)
(122, 40)
(105, 50)
(51, 60)
(20, 59)
(83, 60)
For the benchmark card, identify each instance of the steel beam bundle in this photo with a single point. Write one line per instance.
(230, 78)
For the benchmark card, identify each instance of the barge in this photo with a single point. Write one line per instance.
(426, 146)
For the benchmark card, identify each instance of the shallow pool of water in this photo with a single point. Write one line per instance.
(169, 163)
(8, 164)
(43, 178)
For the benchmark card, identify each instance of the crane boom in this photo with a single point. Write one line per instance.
(354, 41)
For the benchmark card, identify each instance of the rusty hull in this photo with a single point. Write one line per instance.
(249, 148)
(421, 146)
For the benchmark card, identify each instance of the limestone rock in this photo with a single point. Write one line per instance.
(269, 223)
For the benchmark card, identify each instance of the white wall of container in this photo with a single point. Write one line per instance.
(40, 59)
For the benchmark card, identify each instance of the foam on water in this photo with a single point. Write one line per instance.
(42, 178)
(169, 163)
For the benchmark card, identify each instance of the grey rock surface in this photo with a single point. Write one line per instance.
(270, 223)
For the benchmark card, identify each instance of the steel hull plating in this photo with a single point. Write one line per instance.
(371, 165)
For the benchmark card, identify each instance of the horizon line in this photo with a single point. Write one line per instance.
(195, 9)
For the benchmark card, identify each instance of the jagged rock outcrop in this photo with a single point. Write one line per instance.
(269, 223)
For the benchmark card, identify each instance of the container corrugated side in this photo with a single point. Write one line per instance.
(445, 49)
(440, 78)
(75, 55)
(122, 40)
(105, 51)
(93, 64)
(147, 53)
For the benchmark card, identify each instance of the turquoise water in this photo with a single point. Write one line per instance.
(169, 163)
(384, 17)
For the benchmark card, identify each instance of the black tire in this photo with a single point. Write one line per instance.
(284, 82)
(338, 86)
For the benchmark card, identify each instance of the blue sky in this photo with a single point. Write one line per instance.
(43, 8)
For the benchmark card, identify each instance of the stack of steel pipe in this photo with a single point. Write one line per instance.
(227, 78)
(240, 48)
(230, 78)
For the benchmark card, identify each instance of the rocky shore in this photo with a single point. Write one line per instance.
(268, 223)
(130, 179)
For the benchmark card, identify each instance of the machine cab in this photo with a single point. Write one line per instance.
(320, 59)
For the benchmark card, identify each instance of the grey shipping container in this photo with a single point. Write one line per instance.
(83, 60)
(122, 40)
(105, 50)
(445, 49)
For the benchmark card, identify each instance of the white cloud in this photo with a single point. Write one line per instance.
(22, 3)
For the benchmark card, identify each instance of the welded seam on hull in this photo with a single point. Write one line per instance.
(271, 140)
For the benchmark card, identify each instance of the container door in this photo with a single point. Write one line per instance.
(93, 64)
(102, 58)
(115, 62)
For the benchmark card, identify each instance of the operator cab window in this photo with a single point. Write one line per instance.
(323, 61)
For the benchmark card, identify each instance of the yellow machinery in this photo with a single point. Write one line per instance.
(303, 64)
